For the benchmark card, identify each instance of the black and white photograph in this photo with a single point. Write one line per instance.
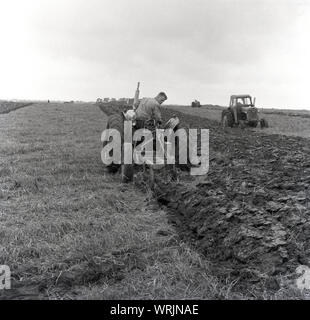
(154, 151)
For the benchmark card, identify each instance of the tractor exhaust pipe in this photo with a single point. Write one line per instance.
(136, 98)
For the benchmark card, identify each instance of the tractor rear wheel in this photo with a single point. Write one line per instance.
(115, 121)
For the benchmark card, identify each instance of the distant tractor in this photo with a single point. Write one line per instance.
(242, 111)
(196, 104)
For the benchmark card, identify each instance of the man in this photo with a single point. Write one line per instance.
(237, 109)
(149, 109)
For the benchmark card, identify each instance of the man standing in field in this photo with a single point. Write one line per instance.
(149, 109)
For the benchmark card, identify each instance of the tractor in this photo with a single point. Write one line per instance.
(116, 121)
(196, 104)
(242, 111)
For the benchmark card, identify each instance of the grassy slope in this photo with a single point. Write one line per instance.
(286, 122)
(69, 230)
(8, 106)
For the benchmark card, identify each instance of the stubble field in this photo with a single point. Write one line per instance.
(69, 230)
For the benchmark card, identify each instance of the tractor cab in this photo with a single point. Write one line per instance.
(244, 100)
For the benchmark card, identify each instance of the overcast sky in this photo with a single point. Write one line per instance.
(203, 49)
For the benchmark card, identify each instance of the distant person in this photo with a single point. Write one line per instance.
(48, 101)
(149, 109)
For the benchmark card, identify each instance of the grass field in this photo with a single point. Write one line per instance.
(71, 231)
(8, 106)
(284, 122)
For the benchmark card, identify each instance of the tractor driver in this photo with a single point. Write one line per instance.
(237, 109)
(149, 109)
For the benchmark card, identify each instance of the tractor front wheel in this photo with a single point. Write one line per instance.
(227, 119)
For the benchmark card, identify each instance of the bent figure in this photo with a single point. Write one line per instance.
(149, 110)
